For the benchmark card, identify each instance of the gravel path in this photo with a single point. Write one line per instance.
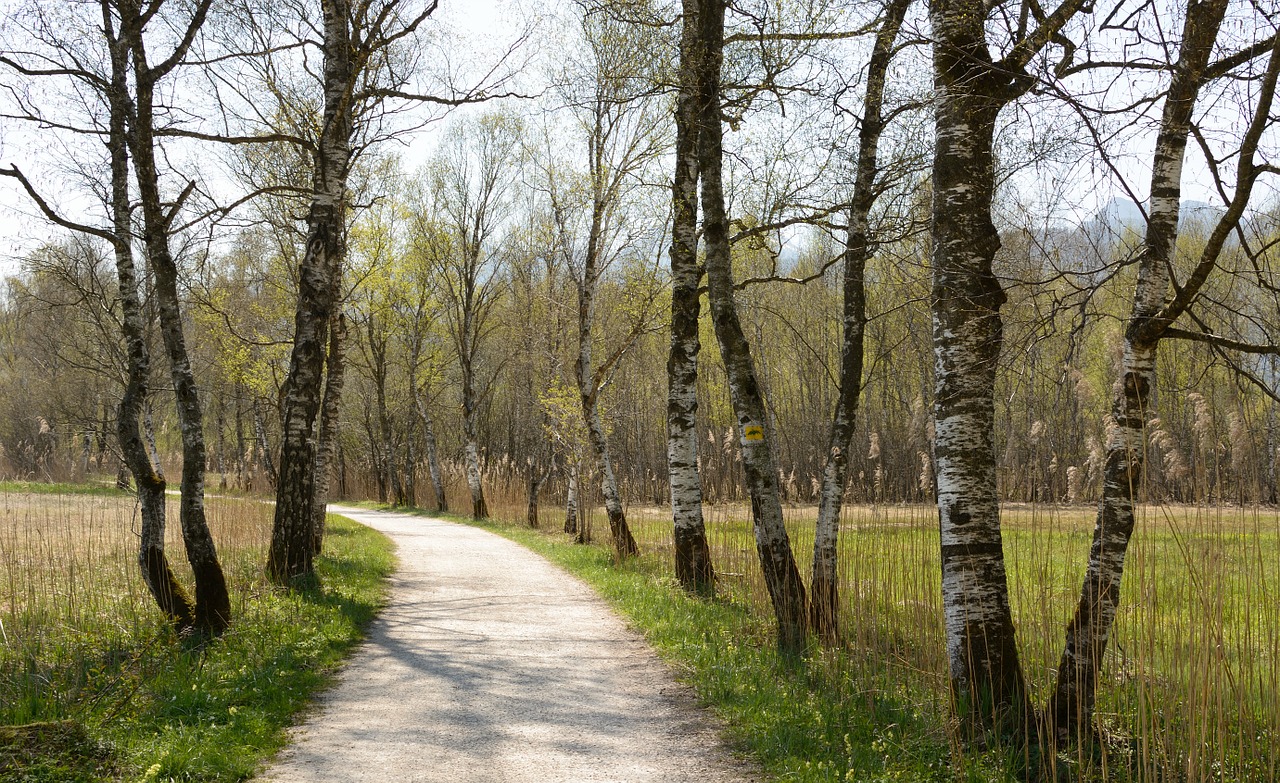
(492, 665)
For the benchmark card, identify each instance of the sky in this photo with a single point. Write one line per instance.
(484, 26)
(481, 28)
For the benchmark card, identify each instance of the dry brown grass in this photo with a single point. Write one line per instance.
(70, 561)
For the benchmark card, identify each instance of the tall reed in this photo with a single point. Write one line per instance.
(1191, 688)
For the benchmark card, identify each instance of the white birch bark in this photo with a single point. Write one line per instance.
(290, 555)
(987, 684)
(1157, 304)
(212, 600)
(773, 546)
(692, 556)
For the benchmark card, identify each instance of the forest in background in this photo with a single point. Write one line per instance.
(1212, 437)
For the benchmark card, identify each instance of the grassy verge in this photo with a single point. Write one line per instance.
(143, 705)
(825, 718)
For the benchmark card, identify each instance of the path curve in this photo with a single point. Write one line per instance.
(491, 665)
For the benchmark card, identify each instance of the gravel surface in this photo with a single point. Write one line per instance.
(492, 665)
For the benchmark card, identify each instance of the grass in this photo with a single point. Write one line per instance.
(62, 488)
(1190, 680)
(100, 688)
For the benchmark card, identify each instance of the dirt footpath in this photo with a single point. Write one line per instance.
(492, 665)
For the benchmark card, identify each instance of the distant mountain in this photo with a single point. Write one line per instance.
(1120, 216)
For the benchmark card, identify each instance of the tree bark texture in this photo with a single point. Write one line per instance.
(433, 453)
(692, 555)
(290, 553)
(1071, 706)
(536, 480)
(213, 601)
(987, 684)
(326, 447)
(571, 501)
(824, 593)
(759, 463)
(475, 478)
(152, 560)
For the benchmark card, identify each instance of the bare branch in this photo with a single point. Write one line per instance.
(1222, 342)
(52, 214)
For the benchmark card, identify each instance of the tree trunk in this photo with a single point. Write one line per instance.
(536, 480)
(433, 453)
(624, 544)
(987, 685)
(786, 591)
(290, 554)
(335, 372)
(589, 385)
(213, 602)
(1071, 707)
(152, 560)
(571, 525)
(221, 425)
(241, 444)
(388, 477)
(824, 594)
(409, 484)
(479, 508)
(692, 555)
(263, 445)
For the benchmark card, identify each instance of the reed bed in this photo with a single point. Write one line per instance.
(95, 685)
(71, 595)
(1191, 688)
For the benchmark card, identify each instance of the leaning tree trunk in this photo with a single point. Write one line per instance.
(692, 555)
(589, 387)
(786, 591)
(824, 594)
(213, 601)
(326, 447)
(290, 556)
(1071, 707)
(624, 544)
(152, 560)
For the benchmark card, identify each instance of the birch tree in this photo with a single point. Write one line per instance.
(610, 95)
(213, 602)
(1205, 56)
(759, 460)
(369, 71)
(971, 88)
(471, 184)
(126, 87)
(694, 569)
(291, 553)
(859, 245)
